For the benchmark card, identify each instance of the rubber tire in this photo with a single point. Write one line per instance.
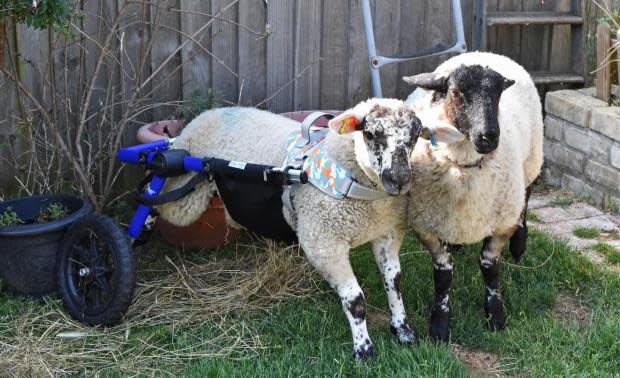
(125, 270)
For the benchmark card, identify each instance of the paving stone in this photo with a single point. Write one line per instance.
(583, 210)
(606, 121)
(553, 128)
(614, 243)
(572, 106)
(602, 223)
(614, 155)
(540, 200)
(552, 214)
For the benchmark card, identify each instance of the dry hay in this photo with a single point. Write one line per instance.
(185, 292)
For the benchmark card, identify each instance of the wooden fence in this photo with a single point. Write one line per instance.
(313, 57)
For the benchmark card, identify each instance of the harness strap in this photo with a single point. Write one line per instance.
(172, 195)
(306, 124)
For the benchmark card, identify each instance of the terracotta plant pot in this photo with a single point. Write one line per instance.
(152, 132)
(210, 230)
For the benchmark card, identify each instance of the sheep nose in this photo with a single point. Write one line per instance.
(490, 137)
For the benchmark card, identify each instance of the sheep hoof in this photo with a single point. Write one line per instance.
(439, 329)
(364, 353)
(495, 315)
(497, 321)
(404, 334)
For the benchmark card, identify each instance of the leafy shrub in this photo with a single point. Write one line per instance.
(57, 14)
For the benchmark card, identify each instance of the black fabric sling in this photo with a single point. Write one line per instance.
(250, 200)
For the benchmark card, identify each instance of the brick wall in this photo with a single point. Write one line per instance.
(582, 146)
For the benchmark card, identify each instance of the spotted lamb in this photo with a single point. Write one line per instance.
(373, 141)
(485, 115)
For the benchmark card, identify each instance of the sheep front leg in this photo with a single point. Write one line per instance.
(386, 250)
(490, 267)
(518, 241)
(439, 328)
(335, 267)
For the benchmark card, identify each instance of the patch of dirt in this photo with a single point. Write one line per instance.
(377, 317)
(478, 362)
(570, 309)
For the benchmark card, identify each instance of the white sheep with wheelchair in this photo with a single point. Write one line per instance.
(372, 142)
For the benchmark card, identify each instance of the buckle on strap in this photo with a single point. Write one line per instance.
(360, 192)
(307, 123)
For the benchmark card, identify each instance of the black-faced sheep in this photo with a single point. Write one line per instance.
(485, 113)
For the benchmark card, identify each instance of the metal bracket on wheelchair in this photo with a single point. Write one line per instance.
(377, 61)
(285, 176)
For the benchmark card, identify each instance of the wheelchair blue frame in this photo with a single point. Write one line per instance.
(143, 154)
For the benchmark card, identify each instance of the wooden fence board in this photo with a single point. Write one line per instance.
(224, 62)
(335, 55)
(252, 52)
(307, 63)
(167, 83)
(196, 59)
(358, 78)
(280, 55)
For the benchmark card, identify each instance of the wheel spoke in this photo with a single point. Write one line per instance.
(94, 255)
(103, 269)
(105, 285)
(96, 298)
(102, 256)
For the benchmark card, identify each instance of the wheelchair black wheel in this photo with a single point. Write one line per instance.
(96, 271)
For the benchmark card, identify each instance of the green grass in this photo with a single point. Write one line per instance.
(310, 337)
(562, 201)
(587, 232)
(612, 254)
(532, 217)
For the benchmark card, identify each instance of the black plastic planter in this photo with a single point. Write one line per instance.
(28, 251)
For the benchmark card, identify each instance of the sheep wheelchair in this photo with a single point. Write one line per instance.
(96, 266)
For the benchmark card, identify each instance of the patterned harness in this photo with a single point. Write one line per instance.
(305, 151)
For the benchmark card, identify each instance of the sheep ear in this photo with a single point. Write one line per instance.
(429, 80)
(346, 123)
(442, 132)
(508, 83)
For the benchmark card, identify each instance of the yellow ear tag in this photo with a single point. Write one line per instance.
(349, 124)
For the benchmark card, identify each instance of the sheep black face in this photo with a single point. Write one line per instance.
(470, 98)
(384, 142)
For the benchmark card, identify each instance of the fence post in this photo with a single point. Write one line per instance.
(603, 62)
